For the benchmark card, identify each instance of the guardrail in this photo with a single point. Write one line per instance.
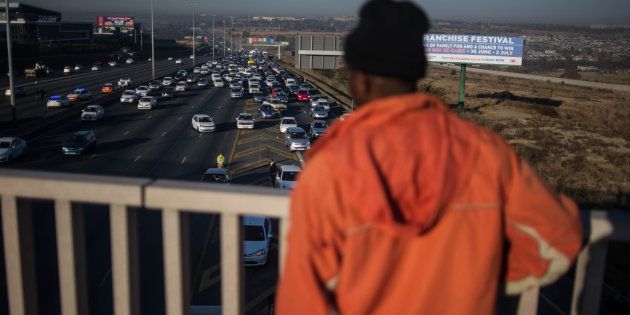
(175, 200)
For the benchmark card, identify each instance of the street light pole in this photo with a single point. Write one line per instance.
(224, 47)
(213, 46)
(194, 5)
(10, 59)
(152, 45)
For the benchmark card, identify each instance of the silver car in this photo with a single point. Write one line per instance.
(319, 112)
(318, 128)
(92, 113)
(236, 93)
(142, 90)
(129, 96)
(147, 102)
(296, 139)
(11, 148)
(203, 123)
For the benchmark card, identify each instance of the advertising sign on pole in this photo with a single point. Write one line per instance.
(474, 49)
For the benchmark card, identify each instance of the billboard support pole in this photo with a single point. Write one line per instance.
(462, 87)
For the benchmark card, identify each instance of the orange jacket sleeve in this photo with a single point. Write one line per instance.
(543, 229)
(312, 264)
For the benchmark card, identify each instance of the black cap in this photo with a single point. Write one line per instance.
(389, 40)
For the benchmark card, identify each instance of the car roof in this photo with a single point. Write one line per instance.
(217, 171)
(202, 115)
(289, 117)
(290, 168)
(295, 129)
(318, 121)
(253, 220)
(82, 133)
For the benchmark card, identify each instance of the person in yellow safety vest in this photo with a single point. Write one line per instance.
(220, 160)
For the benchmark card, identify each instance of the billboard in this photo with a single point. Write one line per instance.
(122, 22)
(260, 40)
(474, 49)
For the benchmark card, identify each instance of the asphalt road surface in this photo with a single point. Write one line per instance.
(158, 143)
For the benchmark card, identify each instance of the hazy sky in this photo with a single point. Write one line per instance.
(578, 12)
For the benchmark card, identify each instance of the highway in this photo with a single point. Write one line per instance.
(158, 143)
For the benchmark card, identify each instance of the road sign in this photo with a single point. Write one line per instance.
(474, 49)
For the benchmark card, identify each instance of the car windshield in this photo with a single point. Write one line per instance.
(319, 125)
(90, 109)
(289, 176)
(5, 145)
(205, 119)
(266, 107)
(245, 117)
(146, 99)
(288, 122)
(129, 93)
(76, 139)
(298, 135)
(319, 109)
(216, 178)
(254, 233)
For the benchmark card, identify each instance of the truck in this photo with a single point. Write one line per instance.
(38, 71)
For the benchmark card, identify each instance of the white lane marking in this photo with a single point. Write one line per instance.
(184, 159)
(192, 107)
(150, 116)
(126, 133)
(300, 157)
(163, 134)
(92, 156)
(201, 134)
(137, 158)
(180, 118)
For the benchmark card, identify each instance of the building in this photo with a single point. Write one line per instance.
(32, 25)
(318, 51)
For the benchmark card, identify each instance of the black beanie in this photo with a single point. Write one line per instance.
(389, 40)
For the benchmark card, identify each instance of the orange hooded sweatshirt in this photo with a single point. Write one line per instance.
(404, 208)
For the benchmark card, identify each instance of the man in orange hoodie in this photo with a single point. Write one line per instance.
(403, 208)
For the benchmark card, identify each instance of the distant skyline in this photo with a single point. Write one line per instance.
(567, 12)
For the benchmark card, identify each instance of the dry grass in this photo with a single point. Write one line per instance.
(580, 147)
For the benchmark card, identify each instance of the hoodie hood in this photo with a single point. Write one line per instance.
(399, 162)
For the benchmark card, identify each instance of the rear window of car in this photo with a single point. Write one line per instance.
(290, 176)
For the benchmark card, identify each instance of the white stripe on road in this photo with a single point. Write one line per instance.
(150, 116)
(163, 134)
(180, 118)
(137, 158)
(301, 158)
(184, 159)
(92, 156)
(126, 133)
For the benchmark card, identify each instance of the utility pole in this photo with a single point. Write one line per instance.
(194, 5)
(141, 41)
(10, 57)
(152, 45)
(224, 47)
(213, 46)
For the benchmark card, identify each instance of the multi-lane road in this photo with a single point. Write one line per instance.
(158, 143)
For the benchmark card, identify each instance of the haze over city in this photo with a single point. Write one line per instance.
(577, 12)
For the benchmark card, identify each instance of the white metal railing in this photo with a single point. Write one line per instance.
(174, 200)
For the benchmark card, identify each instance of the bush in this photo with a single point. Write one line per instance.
(429, 88)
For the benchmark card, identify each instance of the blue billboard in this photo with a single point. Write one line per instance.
(474, 49)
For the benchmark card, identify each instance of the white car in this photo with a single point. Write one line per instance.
(112, 63)
(147, 102)
(167, 81)
(96, 68)
(129, 61)
(58, 101)
(125, 81)
(203, 123)
(170, 58)
(78, 67)
(196, 70)
(286, 176)
(236, 93)
(245, 121)
(257, 240)
(322, 102)
(254, 87)
(218, 83)
(181, 86)
(142, 90)
(92, 113)
(178, 61)
(129, 96)
(67, 70)
(11, 148)
(79, 94)
(286, 123)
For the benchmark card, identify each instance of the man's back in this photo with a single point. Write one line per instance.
(405, 209)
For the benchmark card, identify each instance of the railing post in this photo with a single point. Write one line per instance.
(528, 302)
(124, 243)
(176, 267)
(231, 265)
(17, 228)
(71, 256)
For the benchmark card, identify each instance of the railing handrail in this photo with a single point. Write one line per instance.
(177, 198)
